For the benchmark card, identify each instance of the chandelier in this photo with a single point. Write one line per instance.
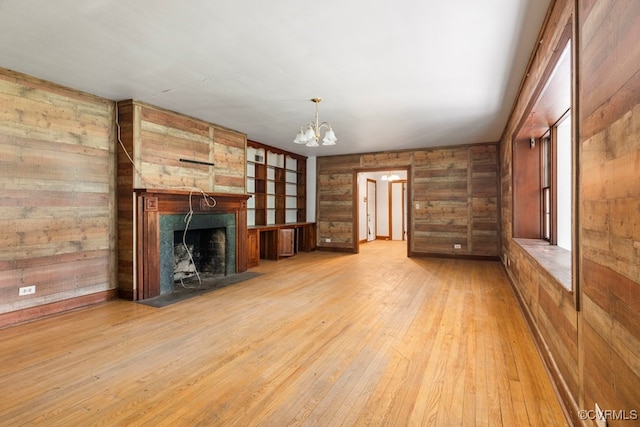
(390, 177)
(311, 136)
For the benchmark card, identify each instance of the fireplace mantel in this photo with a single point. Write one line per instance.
(151, 204)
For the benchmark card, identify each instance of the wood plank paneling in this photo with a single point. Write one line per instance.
(155, 141)
(57, 174)
(158, 139)
(595, 351)
(610, 247)
(550, 306)
(456, 188)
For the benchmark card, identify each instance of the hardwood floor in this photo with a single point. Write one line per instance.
(322, 339)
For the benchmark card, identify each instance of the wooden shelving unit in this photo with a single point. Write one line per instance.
(276, 181)
(277, 208)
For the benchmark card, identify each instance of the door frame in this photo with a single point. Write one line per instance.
(356, 208)
(375, 208)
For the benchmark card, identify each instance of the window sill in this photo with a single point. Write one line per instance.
(554, 259)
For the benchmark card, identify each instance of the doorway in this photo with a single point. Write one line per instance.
(371, 210)
(381, 211)
(398, 210)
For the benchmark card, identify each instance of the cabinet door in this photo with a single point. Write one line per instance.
(286, 242)
(253, 249)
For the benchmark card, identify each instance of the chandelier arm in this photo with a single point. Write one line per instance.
(314, 128)
(324, 124)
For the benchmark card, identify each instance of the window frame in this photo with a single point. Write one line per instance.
(531, 198)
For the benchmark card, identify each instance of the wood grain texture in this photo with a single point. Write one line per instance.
(610, 194)
(456, 188)
(550, 305)
(596, 350)
(152, 142)
(320, 339)
(57, 209)
(157, 139)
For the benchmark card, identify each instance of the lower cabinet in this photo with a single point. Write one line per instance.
(286, 242)
(273, 242)
(253, 248)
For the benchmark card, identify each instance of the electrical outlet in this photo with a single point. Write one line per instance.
(457, 246)
(417, 205)
(327, 240)
(26, 290)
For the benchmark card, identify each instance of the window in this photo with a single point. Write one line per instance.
(546, 187)
(543, 170)
(564, 168)
(556, 171)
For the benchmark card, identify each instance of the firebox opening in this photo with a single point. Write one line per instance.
(173, 224)
(201, 251)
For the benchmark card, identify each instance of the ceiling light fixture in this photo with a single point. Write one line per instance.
(311, 136)
(390, 177)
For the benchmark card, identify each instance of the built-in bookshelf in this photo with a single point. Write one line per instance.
(276, 181)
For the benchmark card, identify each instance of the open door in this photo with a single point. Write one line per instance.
(398, 210)
(371, 210)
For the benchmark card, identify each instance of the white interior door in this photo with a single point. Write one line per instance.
(397, 201)
(371, 210)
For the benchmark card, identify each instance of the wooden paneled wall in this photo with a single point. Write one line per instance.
(155, 141)
(610, 203)
(453, 198)
(549, 306)
(57, 203)
(593, 348)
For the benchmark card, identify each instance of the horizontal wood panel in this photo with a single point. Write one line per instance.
(167, 119)
(386, 159)
(57, 162)
(441, 182)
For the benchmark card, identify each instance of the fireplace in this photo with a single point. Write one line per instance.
(161, 216)
(211, 240)
(198, 254)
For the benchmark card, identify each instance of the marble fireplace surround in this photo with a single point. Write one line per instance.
(160, 213)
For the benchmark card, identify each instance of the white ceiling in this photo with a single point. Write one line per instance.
(392, 75)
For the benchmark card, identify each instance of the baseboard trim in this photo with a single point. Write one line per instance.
(126, 294)
(455, 256)
(33, 313)
(335, 249)
(568, 404)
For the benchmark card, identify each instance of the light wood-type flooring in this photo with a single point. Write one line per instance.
(322, 339)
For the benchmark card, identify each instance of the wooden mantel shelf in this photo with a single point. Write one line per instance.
(187, 192)
(194, 194)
